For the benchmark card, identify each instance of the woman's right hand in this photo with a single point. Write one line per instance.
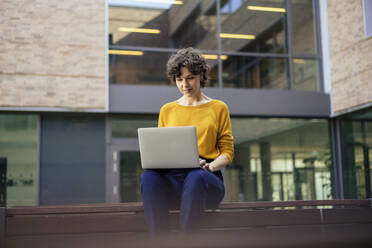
(202, 162)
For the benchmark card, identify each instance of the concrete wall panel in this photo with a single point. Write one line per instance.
(52, 54)
(350, 55)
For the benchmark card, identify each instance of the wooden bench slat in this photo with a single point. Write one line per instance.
(257, 218)
(80, 223)
(79, 208)
(2, 226)
(298, 203)
(137, 206)
(335, 236)
(91, 240)
(89, 225)
(115, 222)
(347, 215)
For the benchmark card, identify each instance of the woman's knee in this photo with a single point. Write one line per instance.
(196, 178)
(151, 178)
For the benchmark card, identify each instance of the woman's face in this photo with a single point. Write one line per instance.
(188, 83)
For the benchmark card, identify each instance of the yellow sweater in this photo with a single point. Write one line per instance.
(212, 121)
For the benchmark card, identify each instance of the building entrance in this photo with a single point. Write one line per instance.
(356, 137)
(363, 169)
(125, 172)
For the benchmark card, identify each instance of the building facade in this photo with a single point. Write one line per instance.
(78, 78)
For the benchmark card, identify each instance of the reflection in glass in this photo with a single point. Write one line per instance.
(124, 127)
(280, 159)
(258, 26)
(194, 24)
(304, 35)
(356, 133)
(306, 74)
(18, 153)
(149, 68)
(142, 17)
(130, 173)
(155, 24)
(143, 68)
(255, 72)
(212, 62)
(127, 127)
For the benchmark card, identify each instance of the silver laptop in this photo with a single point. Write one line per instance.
(168, 147)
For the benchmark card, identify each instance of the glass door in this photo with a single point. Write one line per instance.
(357, 144)
(129, 177)
(124, 172)
(123, 158)
(363, 170)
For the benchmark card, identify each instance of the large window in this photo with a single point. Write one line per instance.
(262, 44)
(18, 160)
(279, 159)
(367, 6)
(356, 134)
(254, 26)
(125, 159)
(275, 159)
(255, 72)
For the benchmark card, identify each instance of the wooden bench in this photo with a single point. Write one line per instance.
(325, 223)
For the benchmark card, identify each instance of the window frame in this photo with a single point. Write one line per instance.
(290, 55)
(367, 13)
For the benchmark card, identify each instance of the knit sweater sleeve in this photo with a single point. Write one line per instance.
(161, 120)
(225, 139)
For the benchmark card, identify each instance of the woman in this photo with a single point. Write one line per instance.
(192, 190)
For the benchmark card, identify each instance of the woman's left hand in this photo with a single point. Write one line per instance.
(219, 163)
(205, 165)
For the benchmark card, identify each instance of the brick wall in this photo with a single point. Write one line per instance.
(52, 54)
(351, 55)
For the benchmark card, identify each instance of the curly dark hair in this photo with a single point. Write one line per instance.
(190, 58)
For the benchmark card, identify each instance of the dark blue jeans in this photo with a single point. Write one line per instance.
(190, 190)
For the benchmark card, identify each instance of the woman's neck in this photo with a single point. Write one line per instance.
(193, 101)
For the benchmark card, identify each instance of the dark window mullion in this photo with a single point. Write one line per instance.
(319, 51)
(219, 45)
(289, 42)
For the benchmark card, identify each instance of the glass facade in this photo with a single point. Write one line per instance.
(162, 25)
(356, 140)
(306, 74)
(18, 160)
(260, 44)
(126, 155)
(304, 32)
(142, 69)
(275, 159)
(248, 44)
(255, 72)
(130, 174)
(278, 159)
(253, 26)
(127, 127)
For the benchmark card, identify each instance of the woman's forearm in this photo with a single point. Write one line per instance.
(219, 163)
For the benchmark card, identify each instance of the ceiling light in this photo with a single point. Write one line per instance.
(139, 30)
(299, 61)
(270, 9)
(214, 56)
(126, 52)
(238, 36)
